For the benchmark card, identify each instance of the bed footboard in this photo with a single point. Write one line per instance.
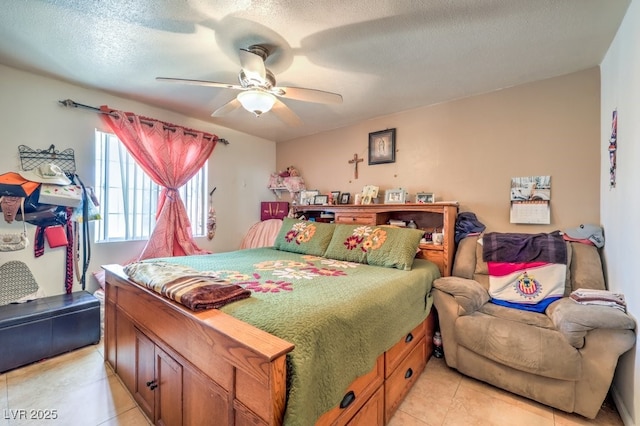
(209, 368)
(193, 368)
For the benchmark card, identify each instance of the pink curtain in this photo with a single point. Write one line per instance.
(170, 155)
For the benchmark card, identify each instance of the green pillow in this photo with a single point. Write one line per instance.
(302, 236)
(375, 245)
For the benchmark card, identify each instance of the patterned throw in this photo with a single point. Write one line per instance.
(189, 287)
(526, 271)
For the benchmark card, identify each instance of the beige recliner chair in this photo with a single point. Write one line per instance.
(564, 358)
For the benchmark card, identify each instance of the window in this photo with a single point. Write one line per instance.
(129, 198)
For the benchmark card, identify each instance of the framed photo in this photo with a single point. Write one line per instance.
(335, 196)
(369, 193)
(345, 198)
(321, 200)
(307, 196)
(382, 147)
(395, 196)
(425, 197)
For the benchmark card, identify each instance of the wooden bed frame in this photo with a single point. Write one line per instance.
(208, 368)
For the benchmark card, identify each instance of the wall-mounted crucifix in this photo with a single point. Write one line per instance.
(355, 162)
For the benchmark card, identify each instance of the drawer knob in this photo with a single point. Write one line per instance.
(152, 384)
(409, 338)
(348, 399)
(408, 374)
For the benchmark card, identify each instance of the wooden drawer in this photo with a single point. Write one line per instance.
(372, 413)
(395, 355)
(435, 256)
(403, 377)
(356, 218)
(359, 392)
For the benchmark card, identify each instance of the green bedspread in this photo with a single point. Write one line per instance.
(340, 315)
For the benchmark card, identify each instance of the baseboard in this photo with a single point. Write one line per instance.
(622, 408)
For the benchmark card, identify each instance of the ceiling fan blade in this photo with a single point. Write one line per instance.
(227, 108)
(285, 114)
(252, 64)
(201, 83)
(308, 95)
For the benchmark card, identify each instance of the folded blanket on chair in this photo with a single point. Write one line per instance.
(192, 288)
(530, 286)
(526, 271)
(514, 247)
(585, 296)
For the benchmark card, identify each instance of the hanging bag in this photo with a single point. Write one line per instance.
(14, 242)
(13, 184)
(56, 236)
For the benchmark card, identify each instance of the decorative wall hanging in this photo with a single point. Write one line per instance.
(355, 160)
(613, 147)
(382, 147)
(32, 158)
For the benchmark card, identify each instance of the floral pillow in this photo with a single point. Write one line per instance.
(375, 245)
(305, 237)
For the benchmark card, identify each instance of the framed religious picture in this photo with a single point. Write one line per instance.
(382, 147)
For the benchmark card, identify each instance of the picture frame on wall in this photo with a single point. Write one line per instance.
(425, 197)
(382, 147)
(345, 197)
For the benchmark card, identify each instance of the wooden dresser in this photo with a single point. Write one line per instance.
(439, 216)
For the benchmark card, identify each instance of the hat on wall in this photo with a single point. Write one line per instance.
(46, 173)
(591, 233)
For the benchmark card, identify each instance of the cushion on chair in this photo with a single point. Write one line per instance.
(535, 350)
(464, 264)
(586, 268)
(469, 294)
(573, 320)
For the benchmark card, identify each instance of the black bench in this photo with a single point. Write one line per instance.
(46, 327)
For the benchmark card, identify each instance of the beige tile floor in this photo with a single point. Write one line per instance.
(83, 391)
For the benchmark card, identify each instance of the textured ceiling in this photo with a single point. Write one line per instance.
(382, 56)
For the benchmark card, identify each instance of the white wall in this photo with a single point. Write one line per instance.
(31, 115)
(619, 207)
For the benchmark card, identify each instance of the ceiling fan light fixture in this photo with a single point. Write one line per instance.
(256, 101)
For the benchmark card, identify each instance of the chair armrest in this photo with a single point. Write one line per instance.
(469, 294)
(574, 320)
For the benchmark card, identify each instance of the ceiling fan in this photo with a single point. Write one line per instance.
(258, 91)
